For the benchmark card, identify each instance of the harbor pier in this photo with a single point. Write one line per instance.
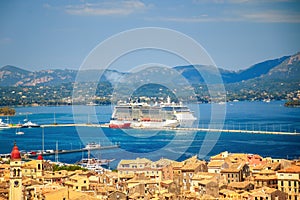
(54, 152)
(239, 130)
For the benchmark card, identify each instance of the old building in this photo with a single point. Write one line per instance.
(267, 178)
(289, 181)
(266, 193)
(15, 179)
(78, 182)
(237, 172)
(215, 166)
(204, 183)
(191, 166)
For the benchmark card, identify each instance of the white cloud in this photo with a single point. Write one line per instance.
(260, 11)
(272, 17)
(198, 19)
(258, 17)
(106, 8)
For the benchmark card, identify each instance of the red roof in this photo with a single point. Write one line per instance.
(15, 153)
(40, 157)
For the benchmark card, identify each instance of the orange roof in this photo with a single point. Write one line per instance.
(239, 184)
(215, 163)
(263, 177)
(234, 168)
(292, 169)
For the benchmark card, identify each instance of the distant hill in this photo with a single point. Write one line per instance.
(285, 68)
(191, 72)
(287, 71)
(10, 75)
(284, 77)
(15, 76)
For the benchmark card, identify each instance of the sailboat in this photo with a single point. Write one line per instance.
(19, 132)
(94, 164)
(3, 125)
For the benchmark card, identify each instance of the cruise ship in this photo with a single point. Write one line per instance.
(143, 115)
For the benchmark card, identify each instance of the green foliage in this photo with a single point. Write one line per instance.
(295, 103)
(68, 168)
(7, 111)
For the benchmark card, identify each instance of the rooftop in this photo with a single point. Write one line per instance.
(292, 169)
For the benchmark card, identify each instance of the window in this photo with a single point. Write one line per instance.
(84, 181)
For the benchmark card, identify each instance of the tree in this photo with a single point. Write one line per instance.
(7, 111)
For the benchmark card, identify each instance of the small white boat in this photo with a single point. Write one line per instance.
(3, 125)
(91, 104)
(92, 145)
(29, 124)
(19, 133)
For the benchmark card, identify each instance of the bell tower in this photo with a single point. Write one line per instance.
(15, 179)
(39, 166)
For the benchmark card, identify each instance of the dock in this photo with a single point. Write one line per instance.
(72, 150)
(237, 131)
(178, 128)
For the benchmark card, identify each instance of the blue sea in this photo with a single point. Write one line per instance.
(155, 144)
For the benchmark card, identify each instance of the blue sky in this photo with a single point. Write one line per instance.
(38, 35)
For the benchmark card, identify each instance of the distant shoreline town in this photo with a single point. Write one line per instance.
(225, 176)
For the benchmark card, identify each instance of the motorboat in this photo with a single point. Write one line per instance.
(30, 124)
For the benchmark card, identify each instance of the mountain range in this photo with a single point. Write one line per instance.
(284, 69)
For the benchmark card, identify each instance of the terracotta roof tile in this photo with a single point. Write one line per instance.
(292, 169)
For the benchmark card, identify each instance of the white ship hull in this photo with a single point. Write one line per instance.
(185, 120)
(155, 124)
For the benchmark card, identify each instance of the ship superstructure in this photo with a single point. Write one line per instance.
(143, 115)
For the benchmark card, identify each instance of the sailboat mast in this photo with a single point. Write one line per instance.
(54, 118)
(43, 140)
(56, 152)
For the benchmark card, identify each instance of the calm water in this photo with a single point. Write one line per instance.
(155, 144)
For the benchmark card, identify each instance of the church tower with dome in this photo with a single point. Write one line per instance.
(39, 166)
(15, 182)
